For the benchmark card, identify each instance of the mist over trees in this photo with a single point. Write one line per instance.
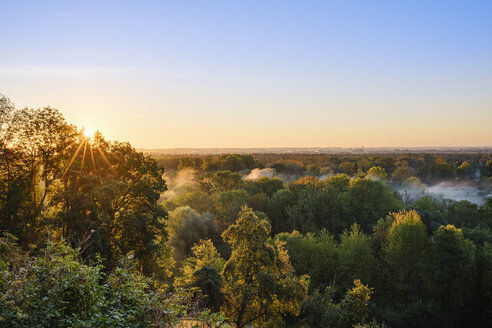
(97, 234)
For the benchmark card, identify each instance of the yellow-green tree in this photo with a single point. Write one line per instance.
(406, 255)
(259, 282)
(202, 270)
(377, 173)
(465, 170)
(355, 257)
(320, 309)
(204, 254)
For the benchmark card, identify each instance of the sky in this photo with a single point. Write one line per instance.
(165, 74)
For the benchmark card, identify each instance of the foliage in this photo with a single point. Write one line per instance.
(355, 257)
(277, 210)
(32, 158)
(366, 201)
(204, 254)
(463, 213)
(197, 200)
(442, 170)
(266, 185)
(377, 173)
(465, 170)
(316, 208)
(95, 248)
(231, 162)
(114, 207)
(227, 207)
(312, 254)
(186, 227)
(454, 258)
(320, 309)
(348, 168)
(259, 284)
(55, 289)
(401, 174)
(405, 256)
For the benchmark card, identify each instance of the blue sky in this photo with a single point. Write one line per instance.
(256, 73)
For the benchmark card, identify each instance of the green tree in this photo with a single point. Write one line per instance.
(487, 169)
(366, 201)
(406, 255)
(313, 254)
(442, 170)
(186, 162)
(110, 207)
(483, 297)
(401, 173)
(227, 207)
(463, 214)
(465, 170)
(202, 270)
(355, 257)
(227, 180)
(266, 185)
(354, 306)
(316, 209)
(320, 309)
(219, 181)
(186, 227)
(35, 148)
(209, 281)
(454, 276)
(204, 254)
(340, 182)
(486, 212)
(56, 289)
(348, 168)
(364, 164)
(197, 200)
(377, 173)
(277, 209)
(259, 284)
(231, 162)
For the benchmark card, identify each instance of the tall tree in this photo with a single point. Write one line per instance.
(355, 257)
(366, 201)
(259, 284)
(108, 204)
(406, 255)
(186, 227)
(35, 148)
(454, 274)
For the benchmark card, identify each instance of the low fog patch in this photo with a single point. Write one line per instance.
(458, 192)
(270, 172)
(446, 189)
(260, 173)
(325, 176)
(289, 177)
(178, 182)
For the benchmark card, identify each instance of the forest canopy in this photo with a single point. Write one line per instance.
(98, 234)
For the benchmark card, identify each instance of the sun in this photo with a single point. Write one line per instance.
(88, 133)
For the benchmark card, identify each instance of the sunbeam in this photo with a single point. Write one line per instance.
(92, 158)
(72, 159)
(83, 156)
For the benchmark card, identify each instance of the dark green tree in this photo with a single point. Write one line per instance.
(454, 274)
(366, 201)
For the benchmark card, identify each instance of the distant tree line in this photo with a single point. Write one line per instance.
(428, 167)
